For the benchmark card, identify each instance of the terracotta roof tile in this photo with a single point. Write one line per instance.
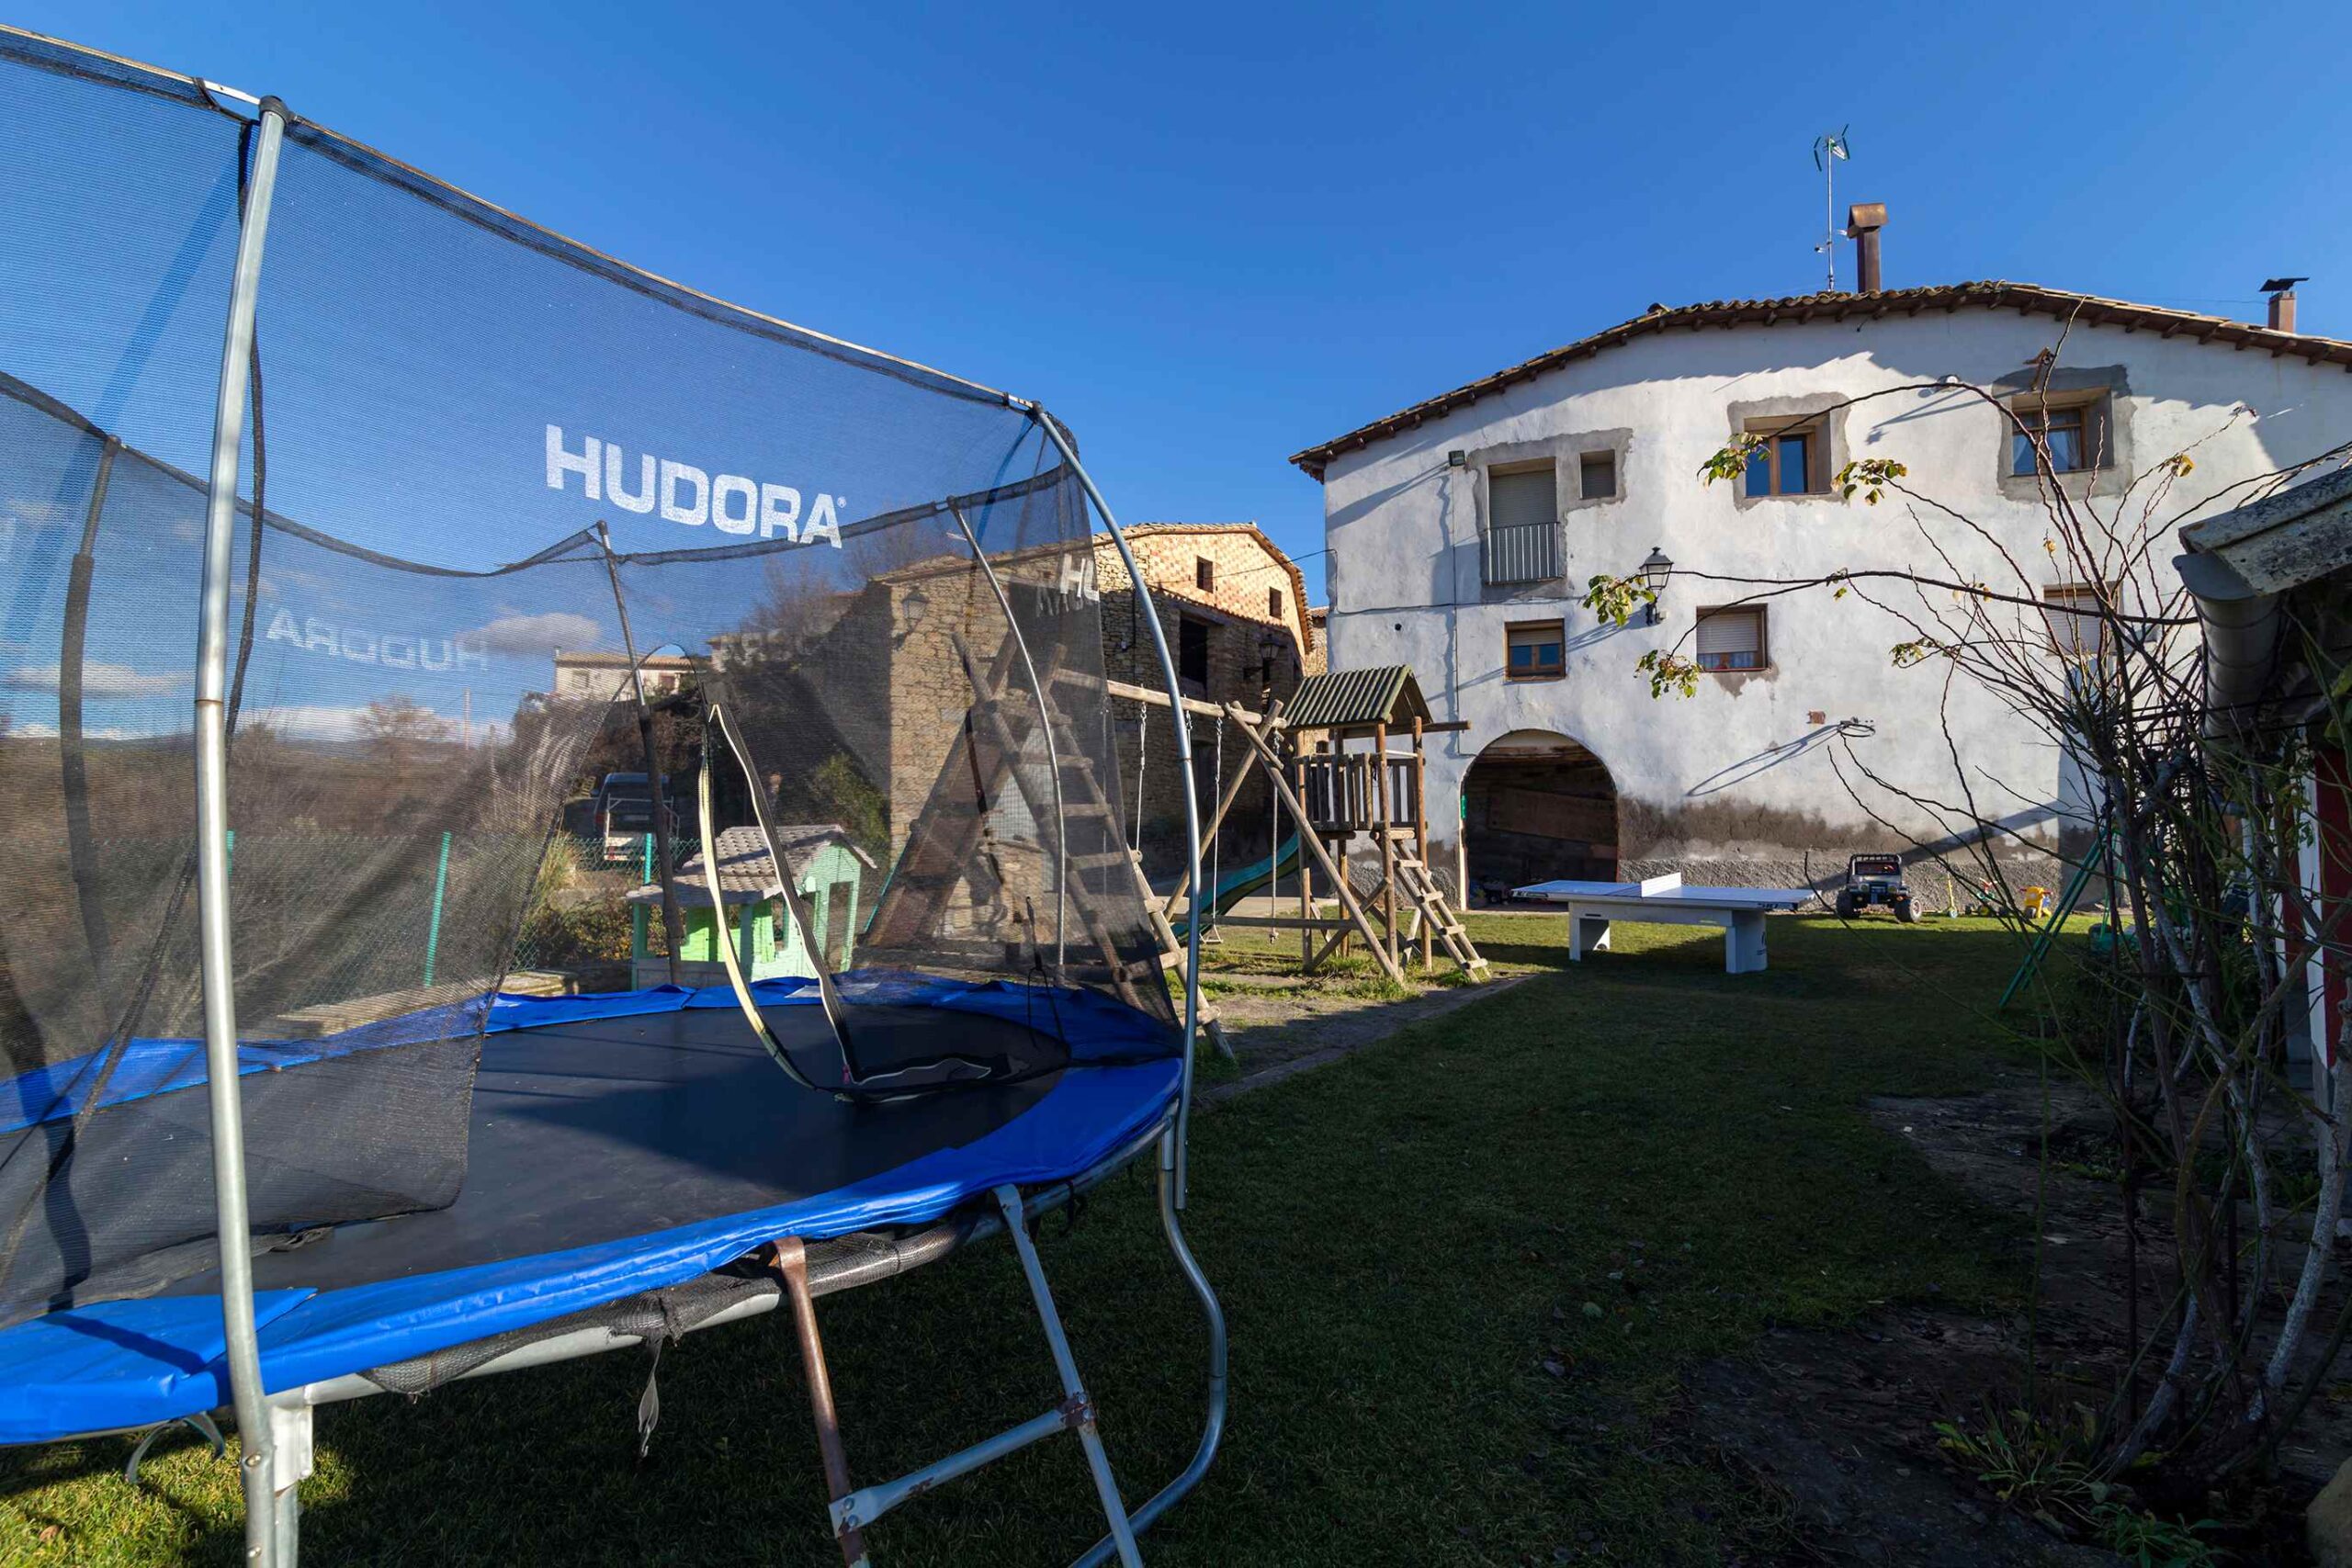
(2027, 298)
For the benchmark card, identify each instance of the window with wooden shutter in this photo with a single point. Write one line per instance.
(1533, 650)
(1731, 640)
(1525, 498)
(1523, 543)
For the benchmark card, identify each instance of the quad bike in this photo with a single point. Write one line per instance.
(1876, 880)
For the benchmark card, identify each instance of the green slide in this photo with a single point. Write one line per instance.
(1236, 886)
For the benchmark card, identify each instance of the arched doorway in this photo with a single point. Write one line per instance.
(1538, 806)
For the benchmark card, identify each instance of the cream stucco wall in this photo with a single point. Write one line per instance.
(1726, 776)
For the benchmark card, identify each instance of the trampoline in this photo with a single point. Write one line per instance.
(619, 1144)
(280, 1124)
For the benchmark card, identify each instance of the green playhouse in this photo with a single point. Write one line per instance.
(826, 868)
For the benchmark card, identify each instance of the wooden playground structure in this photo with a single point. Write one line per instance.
(1331, 794)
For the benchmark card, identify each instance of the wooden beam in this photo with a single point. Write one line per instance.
(1192, 704)
(1364, 731)
(1286, 923)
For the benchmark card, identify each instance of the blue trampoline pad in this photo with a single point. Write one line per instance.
(619, 1144)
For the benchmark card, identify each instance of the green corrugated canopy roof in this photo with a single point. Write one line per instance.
(1344, 698)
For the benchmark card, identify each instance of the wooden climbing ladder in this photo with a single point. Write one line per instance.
(951, 837)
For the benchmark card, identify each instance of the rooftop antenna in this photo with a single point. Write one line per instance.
(1827, 148)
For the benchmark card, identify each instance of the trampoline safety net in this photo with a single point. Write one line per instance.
(488, 474)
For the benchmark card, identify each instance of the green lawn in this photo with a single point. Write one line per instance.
(1464, 1271)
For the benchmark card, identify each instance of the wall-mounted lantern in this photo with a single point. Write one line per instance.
(913, 605)
(1270, 648)
(1654, 569)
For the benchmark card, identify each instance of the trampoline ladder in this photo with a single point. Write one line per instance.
(853, 1511)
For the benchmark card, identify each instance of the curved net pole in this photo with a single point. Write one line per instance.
(1045, 724)
(1172, 1146)
(257, 1447)
(828, 994)
(1184, 728)
(724, 940)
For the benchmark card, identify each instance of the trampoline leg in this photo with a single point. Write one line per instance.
(1122, 1536)
(1213, 1430)
(291, 1421)
(790, 1261)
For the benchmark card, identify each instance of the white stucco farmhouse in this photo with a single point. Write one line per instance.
(1463, 531)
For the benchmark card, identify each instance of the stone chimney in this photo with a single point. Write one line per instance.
(1863, 220)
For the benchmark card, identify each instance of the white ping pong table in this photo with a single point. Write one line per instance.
(1663, 900)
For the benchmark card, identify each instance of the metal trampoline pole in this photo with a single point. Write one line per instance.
(1213, 1429)
(258, 1446)
(1174, 1160)
(1075, 1401)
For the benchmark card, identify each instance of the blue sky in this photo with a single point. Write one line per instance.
(1209, 235)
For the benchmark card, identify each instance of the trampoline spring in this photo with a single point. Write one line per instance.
(649, 1403)
(200, 1423)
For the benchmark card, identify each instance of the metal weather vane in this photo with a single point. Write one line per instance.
(1828, 149)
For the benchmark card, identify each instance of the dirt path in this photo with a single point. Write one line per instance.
(1286, 1032)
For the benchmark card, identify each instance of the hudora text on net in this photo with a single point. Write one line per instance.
(683, 493)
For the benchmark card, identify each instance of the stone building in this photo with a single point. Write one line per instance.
(1233, 610)
(863, 700)
(602, 677)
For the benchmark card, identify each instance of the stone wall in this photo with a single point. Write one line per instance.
(1236, 614)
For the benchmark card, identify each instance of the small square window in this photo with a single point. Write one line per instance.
(1731, 640)
(1533, 650)
(1193, 650)
(1204, 574)
(2074, 434)
(1790, 460)
(1596, 475)
(1275, 603)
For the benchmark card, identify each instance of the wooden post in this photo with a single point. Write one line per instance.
(1355, 911)
(1380, 810)
(1421, 842)
(1305, 873)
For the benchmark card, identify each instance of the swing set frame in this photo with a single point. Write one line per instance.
(1331, 795)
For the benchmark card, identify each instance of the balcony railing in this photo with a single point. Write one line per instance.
(1528, 552)
(1341, 793)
